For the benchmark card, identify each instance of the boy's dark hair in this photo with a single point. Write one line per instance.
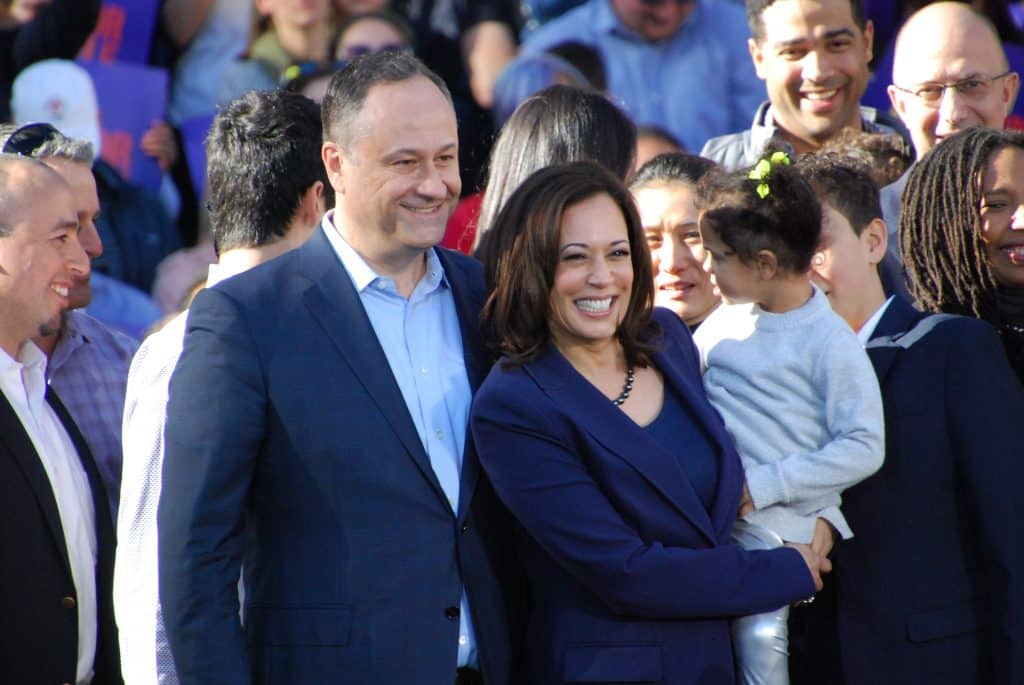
(845, 183)
(755, 8)
(886, 154)
(262, 155)
(786, 221)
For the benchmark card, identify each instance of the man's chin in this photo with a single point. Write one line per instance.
(53, 326)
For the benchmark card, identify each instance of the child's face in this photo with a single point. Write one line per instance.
(1002, 215)
(737, 281)
(843, 267)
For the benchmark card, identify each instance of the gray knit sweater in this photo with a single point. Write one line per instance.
(801, 400)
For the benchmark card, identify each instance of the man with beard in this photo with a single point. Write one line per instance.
(87, 361)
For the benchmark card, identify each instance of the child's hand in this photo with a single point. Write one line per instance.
(824, 537)
(746, 504)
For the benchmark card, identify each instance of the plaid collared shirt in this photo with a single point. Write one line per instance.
(89, 369)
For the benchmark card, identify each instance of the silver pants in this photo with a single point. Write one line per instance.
(761, 641)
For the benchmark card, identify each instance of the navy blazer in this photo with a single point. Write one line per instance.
(931, 587)
(39, 633)
(288, 444)
(632, 579)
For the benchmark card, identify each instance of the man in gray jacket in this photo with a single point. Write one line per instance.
(813, 58)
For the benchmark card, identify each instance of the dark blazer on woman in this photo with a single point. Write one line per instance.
(631, 578)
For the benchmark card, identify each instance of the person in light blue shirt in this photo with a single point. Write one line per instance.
(678, 64)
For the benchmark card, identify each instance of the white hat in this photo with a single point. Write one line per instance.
(61, 93)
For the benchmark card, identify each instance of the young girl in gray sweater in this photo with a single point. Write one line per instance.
(793, 384)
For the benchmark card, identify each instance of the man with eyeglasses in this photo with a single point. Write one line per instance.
(949, 72)
(681, 65)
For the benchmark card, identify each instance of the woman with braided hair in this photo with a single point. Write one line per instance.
(962, 232)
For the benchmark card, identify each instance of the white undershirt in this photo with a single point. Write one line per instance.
(869, 326)
(23, 383)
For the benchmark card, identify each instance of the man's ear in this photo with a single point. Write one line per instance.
(334, 158)
(1011, 85)
(875, 240)
(767, 264)
(757, 55)
(311, 204)
(869, 38)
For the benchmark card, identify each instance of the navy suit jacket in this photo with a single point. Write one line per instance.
(631, 578)
(39, 633)
(931, 587)
(288, 444)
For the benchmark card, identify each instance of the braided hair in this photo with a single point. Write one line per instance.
(940, 225)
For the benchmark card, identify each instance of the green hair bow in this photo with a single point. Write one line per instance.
(763, 169)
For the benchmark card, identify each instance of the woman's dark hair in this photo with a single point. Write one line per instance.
(673, 167)
(557, 125)
(940, 225)
(786, 220)
(386, 15)
(517, 309)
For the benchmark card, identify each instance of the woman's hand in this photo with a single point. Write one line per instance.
(816, 563)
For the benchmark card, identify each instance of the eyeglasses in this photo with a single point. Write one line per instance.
(28, 138)
(973, 87)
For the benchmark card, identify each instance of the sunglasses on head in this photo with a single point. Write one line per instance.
(28, 138)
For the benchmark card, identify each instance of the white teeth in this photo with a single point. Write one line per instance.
(821, 95)
(60, 290)
(595, 306)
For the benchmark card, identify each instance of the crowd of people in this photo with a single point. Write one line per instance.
(490, 378)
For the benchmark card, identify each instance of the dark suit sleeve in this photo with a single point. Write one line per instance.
(542, 478)
(214, 428)
(985, 408)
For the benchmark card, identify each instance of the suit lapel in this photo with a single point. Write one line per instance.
(608, 425)
(334, 303)
(730, 471)
(468, 294)
(898, 318)
(21, 449)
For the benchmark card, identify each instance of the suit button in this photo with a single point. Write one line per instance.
(452, 613)
(465, 528)
(67, 602)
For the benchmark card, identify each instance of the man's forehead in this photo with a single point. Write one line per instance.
(786, 20)
(948, 64)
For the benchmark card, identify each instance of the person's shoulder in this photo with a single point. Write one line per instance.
(110, 341)
(726, 149)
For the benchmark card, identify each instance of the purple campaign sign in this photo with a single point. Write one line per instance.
(123, 33)
(131, 98)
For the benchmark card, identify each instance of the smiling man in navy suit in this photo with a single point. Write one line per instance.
(931, 587)
(316, 429)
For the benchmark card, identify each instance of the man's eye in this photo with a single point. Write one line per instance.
(929, 93)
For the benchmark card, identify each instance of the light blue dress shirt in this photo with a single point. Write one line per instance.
(422, 341)
(697, 84)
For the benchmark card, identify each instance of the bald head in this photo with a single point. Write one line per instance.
(941, 44)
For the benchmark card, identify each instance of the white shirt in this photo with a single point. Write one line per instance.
(23, 383)
(868, 329)
(145, 654)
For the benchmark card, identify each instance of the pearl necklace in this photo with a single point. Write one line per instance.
(626, 389)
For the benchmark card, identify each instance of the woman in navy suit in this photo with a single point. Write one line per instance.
(596, 433)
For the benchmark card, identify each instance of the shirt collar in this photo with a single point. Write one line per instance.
(868, 329)
(363, 275)
(30, 361)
